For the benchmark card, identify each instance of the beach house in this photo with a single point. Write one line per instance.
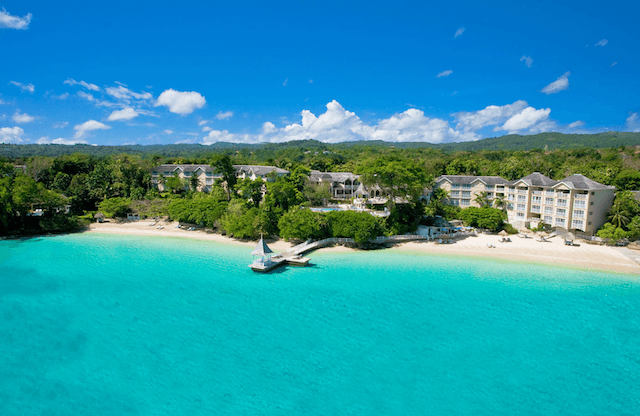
(575, 202)
(206, 175)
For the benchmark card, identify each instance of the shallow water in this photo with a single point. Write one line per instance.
(119, 325)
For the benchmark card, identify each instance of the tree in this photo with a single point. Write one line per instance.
(485, 217)
(610, 232)
(482, 199)
(618, 216)
(302, 223)
(500, 203)
(250, 190)
(115, 207)
(397, 176)
(222, 165)
(360, 226)
(194, 182)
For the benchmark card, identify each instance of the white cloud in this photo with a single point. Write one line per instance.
(268, 128)
(186, 141)
(202, 122)
(62, 96)
(225, 115)
(528, 61)
(444, 73)
(180, 102)
(167, 131)
(23, 87)
(126, 95)
(603, 42)
(92, 87)
(60, 125)
(216, 136)
(8, 21)
(633, 122)
(284, 84)
(561, 84)
(124, 114)
(94, 100)
(11, 135)
(459, 32)
(613, 64)
(529, 118)
(310, 81)
(489, 116)
(22, 118)
(82, 129)
(576, 124)
(46, 140)
(206, 128)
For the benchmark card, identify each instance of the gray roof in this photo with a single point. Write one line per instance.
(262, 249)
(332, 176)
(537, 179)
(258, 170)
(581, 182)
(468, 179)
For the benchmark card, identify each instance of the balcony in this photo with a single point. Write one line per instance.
(522, 191)
(536, 210)
(580, 196)
(562, 204)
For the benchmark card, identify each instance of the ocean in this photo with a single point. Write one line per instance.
(94, 324)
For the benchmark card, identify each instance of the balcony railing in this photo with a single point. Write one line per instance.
(581, 196)
(537, 192)
(562, 204)
(522, 191)
(536, 210)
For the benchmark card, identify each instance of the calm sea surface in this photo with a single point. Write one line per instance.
(118, 325)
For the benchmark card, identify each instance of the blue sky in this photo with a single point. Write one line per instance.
(160, 72)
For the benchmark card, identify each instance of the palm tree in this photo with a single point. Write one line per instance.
(194, 182)
(500, 203)
(481, 199)
(618, 216)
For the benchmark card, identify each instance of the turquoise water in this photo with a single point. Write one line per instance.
(118, 325)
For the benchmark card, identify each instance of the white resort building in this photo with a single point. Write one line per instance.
(575, 202)
(207, 176)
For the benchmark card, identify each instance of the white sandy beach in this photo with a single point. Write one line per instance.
(585, 256)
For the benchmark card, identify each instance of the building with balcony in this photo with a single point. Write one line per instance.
(207, 176)
(575, 202)
(464, 190)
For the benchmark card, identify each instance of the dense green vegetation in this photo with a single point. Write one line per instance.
(97, 179)
(624, 219)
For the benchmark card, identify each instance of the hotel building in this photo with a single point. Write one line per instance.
(575, 202)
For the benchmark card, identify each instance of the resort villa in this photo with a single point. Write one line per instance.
(575, 202)
(207, 176)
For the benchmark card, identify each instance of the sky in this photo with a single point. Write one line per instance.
(157, 72)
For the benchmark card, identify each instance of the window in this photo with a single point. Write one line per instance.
(591, 203)
(187, 174)
(548, 219)
(590, 212)
(549, 192)
(512, 188)
(489, 194)
(578, 213)
(466, 194)
(455, 202)
(466, 186)
(465, 202)
(579, 204)
(593, 193)
(519, 214)
(535, 208)
(521, 207)
(562, 202)
(536, 199)
(455, 194)
(561, 212)
(489, 187)
(560, 221)
(511, 197)
(522, 198)
(577, 224)
(510, 206)
(548, 210)
(548, 201)
(455, 185)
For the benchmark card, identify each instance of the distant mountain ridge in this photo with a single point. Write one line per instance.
(511, 142)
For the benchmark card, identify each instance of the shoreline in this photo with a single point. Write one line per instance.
(554, 252)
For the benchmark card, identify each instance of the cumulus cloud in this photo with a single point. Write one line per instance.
(603, 42)
(8, 21)
(124, 114)
(22, 118)
(633, 122)
(94, 100)
(11, 135)
(561, 84)
(576, 124)
(23, 87)
(181, 102)
(489, 116)
(444, 73)
(528, 61)
(529, 118)
(206, 128)
(87, 126)
(459, 32)
(225, 115)
(337, 125)
(92, 87)
(46, 140)
(60, 125)
(202, 122)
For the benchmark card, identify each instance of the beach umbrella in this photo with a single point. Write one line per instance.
(503, 233)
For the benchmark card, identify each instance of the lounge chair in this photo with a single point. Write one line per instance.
(160, 227)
